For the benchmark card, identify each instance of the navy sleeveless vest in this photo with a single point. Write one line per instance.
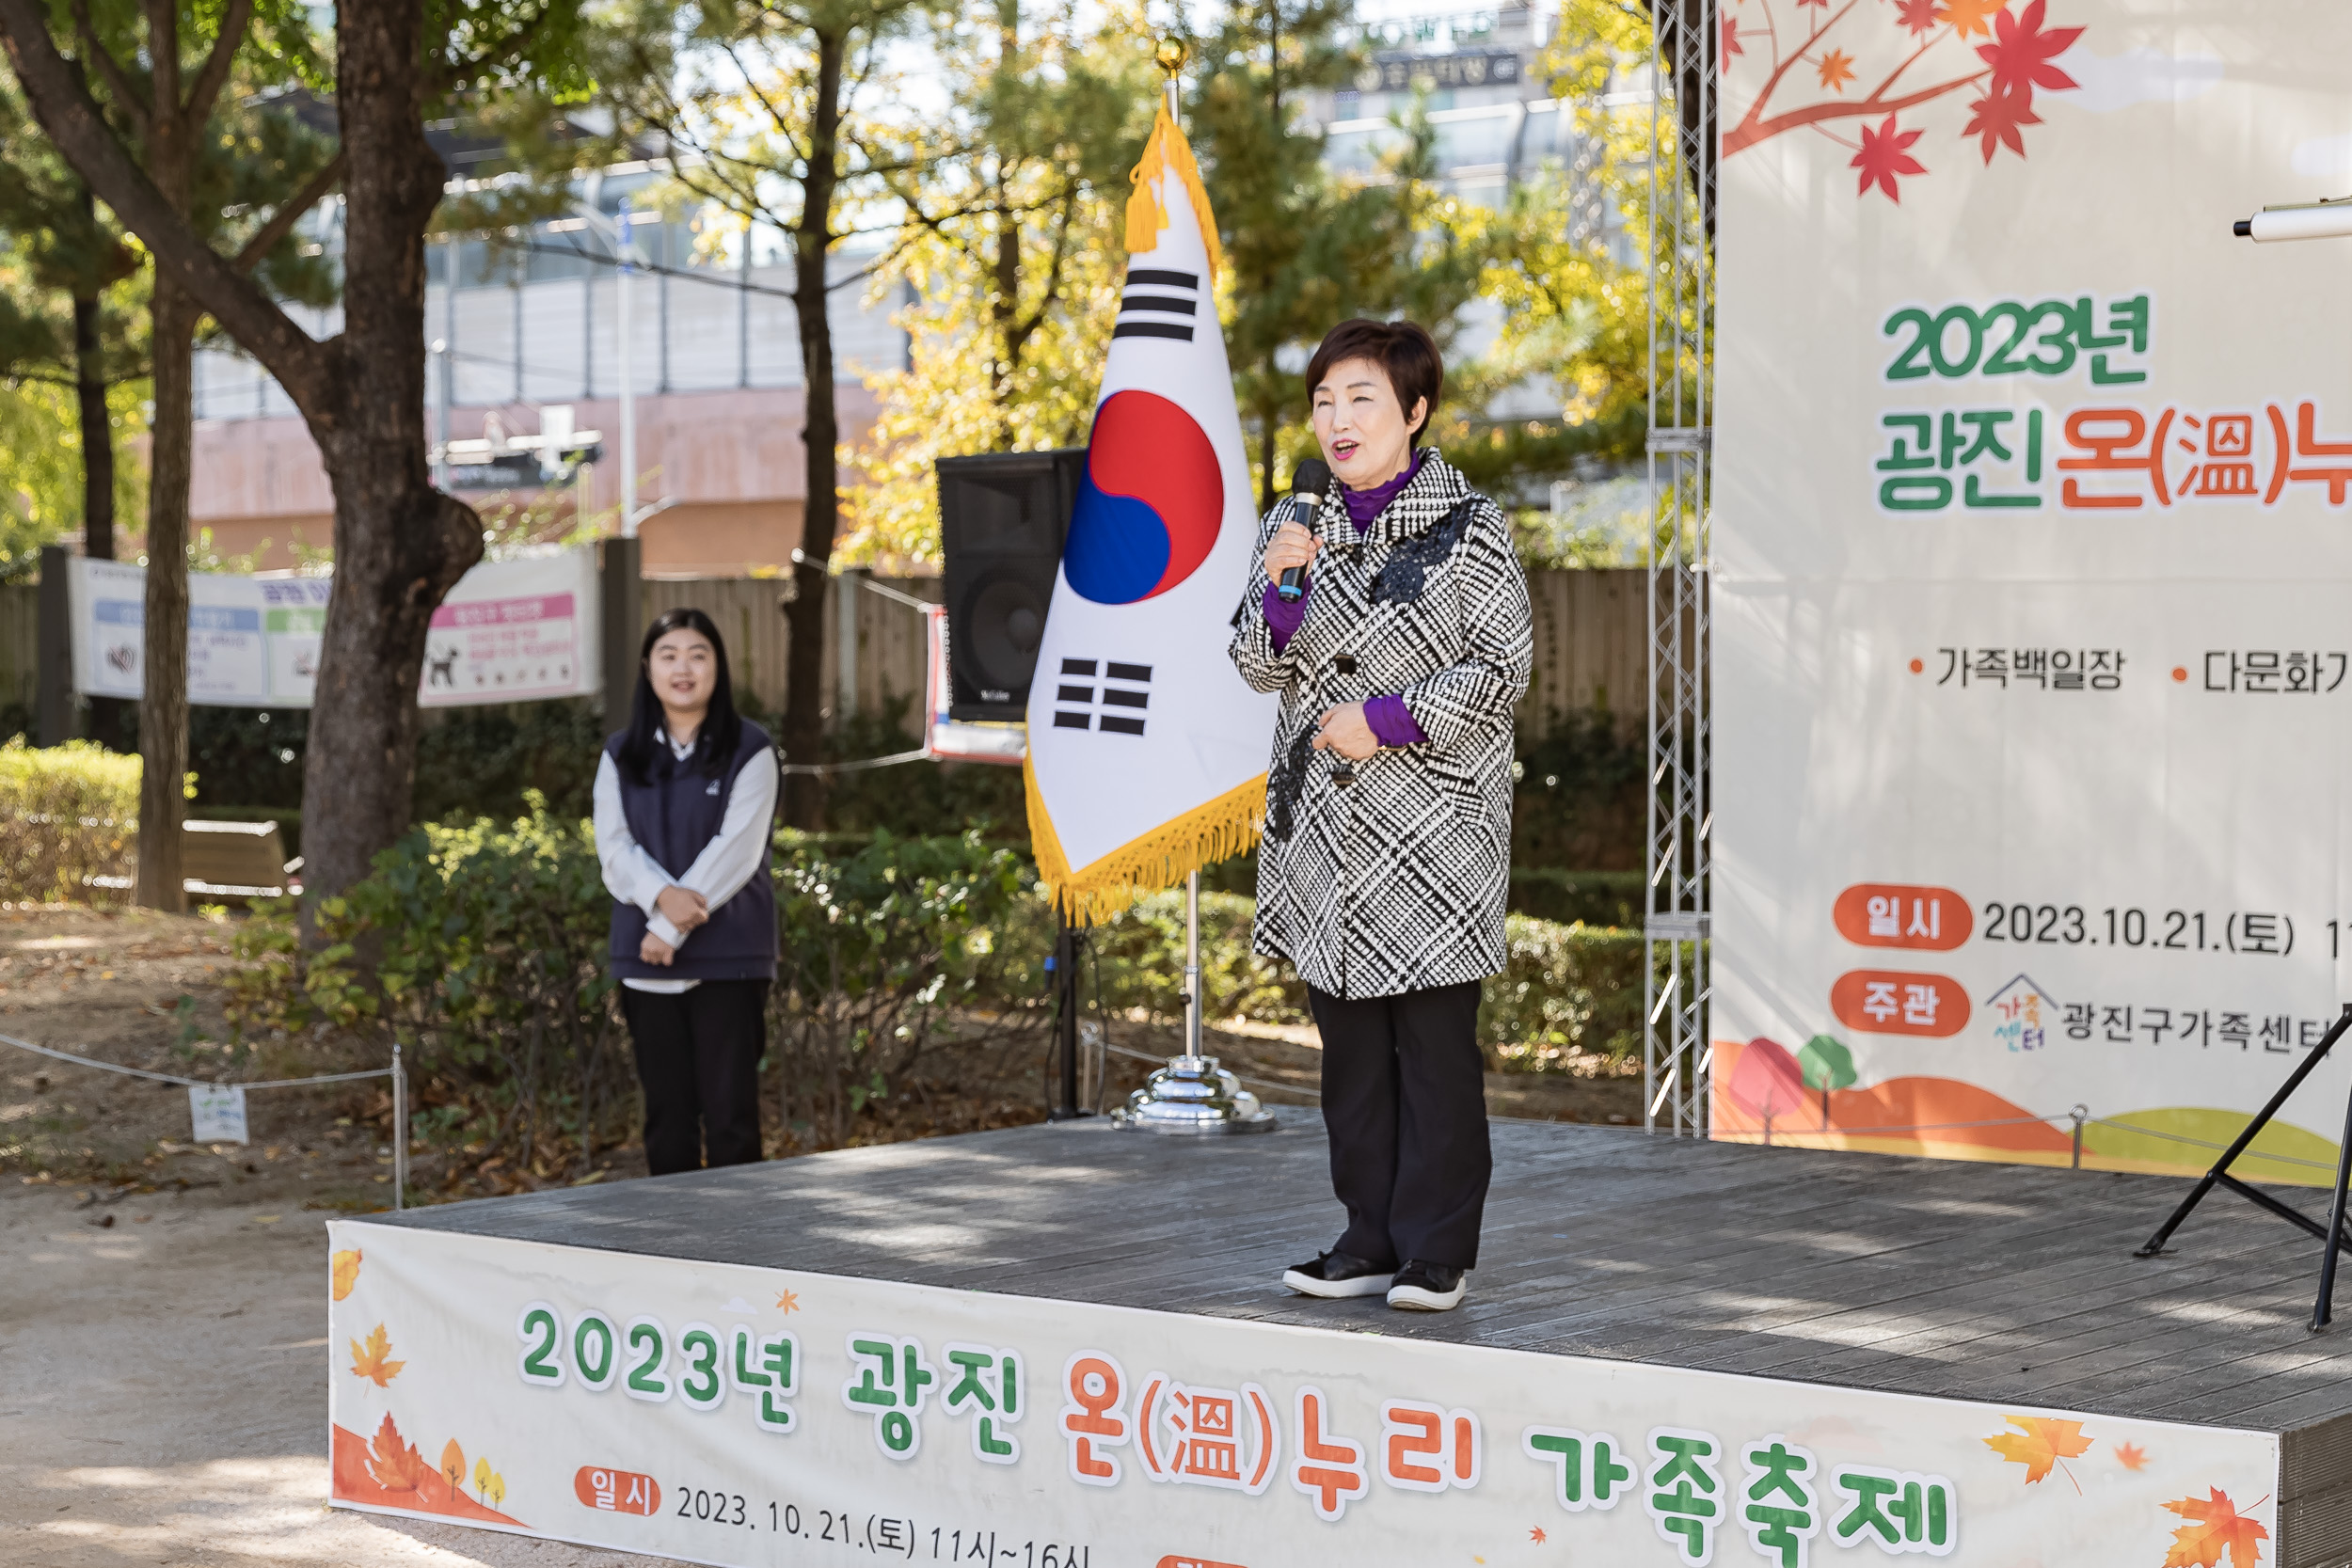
(673, 814)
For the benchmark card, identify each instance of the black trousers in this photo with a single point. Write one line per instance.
(698, 1057)
(1405, 1103)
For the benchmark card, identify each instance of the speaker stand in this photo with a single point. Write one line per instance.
(2333, 1233)
(1192, 1094)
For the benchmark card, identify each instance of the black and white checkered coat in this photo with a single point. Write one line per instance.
(1388, 875)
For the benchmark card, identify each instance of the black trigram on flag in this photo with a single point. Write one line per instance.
(1114, 705)
(1167, 312)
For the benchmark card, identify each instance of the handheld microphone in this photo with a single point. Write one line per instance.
(1308, 481)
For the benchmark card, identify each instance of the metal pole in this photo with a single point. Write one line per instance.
(2326, 1307)
(400, 1129)
(1192, 970)
(1065, 967)
(628, 390)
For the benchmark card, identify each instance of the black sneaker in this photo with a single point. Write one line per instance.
(1335, 1274)
(1420, 1287)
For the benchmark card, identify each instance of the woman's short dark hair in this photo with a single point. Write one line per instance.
(723, 728)
(1404, 350)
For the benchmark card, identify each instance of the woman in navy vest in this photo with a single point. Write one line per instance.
(684, 799)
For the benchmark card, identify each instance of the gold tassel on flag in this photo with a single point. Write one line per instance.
(1225, 826)
(1166, 149)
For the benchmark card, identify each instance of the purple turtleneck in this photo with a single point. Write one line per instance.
(1391, 723)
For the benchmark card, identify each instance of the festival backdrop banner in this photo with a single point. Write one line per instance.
(2030, 661)
(724, 1414)
(511, 631)
(1147, 751)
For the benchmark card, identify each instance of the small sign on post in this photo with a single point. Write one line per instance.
(218, 1111)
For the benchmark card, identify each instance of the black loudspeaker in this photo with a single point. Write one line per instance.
(1002, 519)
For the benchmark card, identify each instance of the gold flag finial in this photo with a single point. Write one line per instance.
(1172, 54)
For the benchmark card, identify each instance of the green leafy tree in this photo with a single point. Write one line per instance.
(164, 69)
(1308, 248)
(71, 318)
(1012, 251)
(400, 545)
(767, 106)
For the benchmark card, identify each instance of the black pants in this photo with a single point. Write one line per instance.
(1405, 1103)
(698, 1058)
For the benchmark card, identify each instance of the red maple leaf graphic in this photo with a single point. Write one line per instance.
(1886, 153)
(1996, 118)
(1916, 16)
(2020, 52)
(1731, 38)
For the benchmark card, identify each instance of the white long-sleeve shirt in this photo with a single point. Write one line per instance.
(726, 862)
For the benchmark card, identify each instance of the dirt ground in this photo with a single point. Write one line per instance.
(162, 1364)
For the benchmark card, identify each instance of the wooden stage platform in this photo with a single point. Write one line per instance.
(1997, 1284)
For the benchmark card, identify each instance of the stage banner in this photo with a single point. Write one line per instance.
(737, 1416)
(2032, 543)
(511, 631)
(1147, 750)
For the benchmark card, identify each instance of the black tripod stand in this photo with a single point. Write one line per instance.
(2335, 1232)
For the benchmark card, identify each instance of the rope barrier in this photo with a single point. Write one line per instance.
(395, 1072)
(2200, 1143)
(858, 766)
(190, 1082)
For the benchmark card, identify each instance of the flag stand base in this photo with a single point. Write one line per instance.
(1192, 1094)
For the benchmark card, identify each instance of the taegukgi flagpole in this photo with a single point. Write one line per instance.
(1147, 750)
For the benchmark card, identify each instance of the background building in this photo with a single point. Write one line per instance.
(533, 336)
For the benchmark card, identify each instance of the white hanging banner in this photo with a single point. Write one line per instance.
(511, 631)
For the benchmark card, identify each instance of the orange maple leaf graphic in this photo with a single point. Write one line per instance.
(2219, 1526)
(2040, 1442)
(790, 1301)
(370, 1362)
(1971, 16)
(2131, 1456)
(346, 1272)
(1836, 70)
(397, 1466)
(1537, 1535)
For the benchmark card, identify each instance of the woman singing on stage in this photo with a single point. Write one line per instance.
(684, 797)
(1387, 836)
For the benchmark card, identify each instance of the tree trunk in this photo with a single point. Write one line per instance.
(109, 717)
(803, 707)
(400, 545)
(98, 437)
(164, 699)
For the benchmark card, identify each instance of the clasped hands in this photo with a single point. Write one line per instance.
(683, 907)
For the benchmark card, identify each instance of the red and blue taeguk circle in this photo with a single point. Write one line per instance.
(1150, 504)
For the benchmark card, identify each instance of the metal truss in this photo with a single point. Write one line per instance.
(1677, 1054)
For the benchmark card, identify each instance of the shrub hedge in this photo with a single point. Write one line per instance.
(67, 813)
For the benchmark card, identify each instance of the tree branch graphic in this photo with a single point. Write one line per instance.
(1889, 38)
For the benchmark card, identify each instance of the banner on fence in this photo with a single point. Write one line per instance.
(2031, 547)
(741, 1415)
(511, 631)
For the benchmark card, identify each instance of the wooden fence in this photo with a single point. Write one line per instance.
(1591, 636)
